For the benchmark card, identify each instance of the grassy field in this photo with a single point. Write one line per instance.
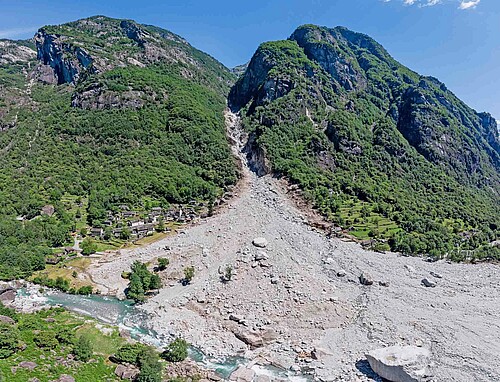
(65, 270)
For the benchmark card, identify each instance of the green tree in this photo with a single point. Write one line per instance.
(108, 233)
(176, 351)
(228, 273)
(83, 349)
(9, 339)
(151, 368)
(88, 246)
(155, 282)
(125, 234)
(163, 263)
(161, 225)
(135, 290)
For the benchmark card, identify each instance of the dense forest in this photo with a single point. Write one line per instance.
(383, 152)
(99, 135)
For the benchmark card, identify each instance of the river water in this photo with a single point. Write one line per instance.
(125, 315)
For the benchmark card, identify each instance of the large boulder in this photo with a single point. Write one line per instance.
(260, 242)
(242, 374)
(428, 283)
(8, 296)
(366, 279)
(126, 371)
(28, 365)
(7, 320)
(400, 363)
(250, 337)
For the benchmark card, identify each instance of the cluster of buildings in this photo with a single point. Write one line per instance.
(139, 225)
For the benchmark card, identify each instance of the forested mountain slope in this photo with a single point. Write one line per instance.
(100, 113)
(379, 149)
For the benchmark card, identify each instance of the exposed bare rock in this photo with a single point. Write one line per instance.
(127, 371)
(401, 363)
(260, 242)
(242, 374)
(428, 283)
(365, 279)
(7, 320)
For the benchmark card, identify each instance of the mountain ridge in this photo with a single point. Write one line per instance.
(359, 109)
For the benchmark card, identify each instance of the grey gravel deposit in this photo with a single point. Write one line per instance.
(297, 302)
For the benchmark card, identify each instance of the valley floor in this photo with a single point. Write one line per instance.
(289, 298)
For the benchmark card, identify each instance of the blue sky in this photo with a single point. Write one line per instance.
(457, 41)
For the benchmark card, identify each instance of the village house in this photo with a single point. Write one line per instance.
(96, 232)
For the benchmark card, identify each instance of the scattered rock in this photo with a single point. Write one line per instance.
(261, 255)
(320, 354)
(262, 378)
(436, 275)
(428, 283)
(384, 283)
(28, 365)
(260, 242)
(242, 374)
(236, 318)
(65, 378)
(341, 273)
(126, 371)
(7, 320)
(409, 268)
(365, 279)
(400, 363)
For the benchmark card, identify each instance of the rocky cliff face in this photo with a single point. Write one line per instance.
(16, 52)
(324, 46)
(76, 52)
(67, 61)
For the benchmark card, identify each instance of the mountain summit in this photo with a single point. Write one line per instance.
(370, 141)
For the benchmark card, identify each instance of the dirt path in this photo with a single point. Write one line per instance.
(293, 302)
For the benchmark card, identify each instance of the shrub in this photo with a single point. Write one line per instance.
(65, 336)
(128, 353)
(188, 274)
(176, 351)
(9, 340)
(9, 312)
(46, 339)
(83, 349)
(163, 263)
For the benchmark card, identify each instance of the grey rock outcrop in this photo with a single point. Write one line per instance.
(66, 60)
(126, 371)
(401, 363)
(7, 320)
